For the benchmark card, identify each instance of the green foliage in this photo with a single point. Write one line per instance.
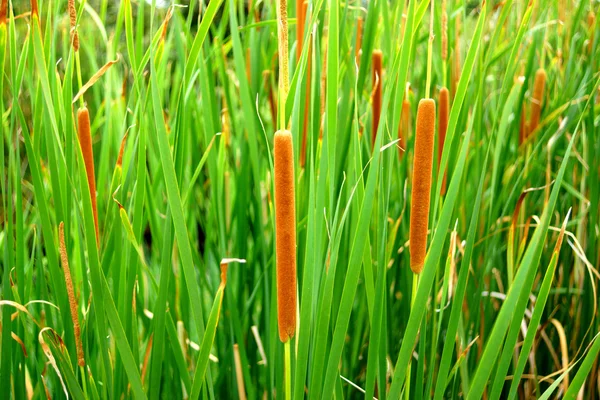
(501, 308)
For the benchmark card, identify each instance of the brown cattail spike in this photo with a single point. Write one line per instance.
(285, 223)
(122, 149)
(85, 141)
(421, 183)
(537, 98)
(359, 34)
(71, 294)
(3, 11)
(34, 8)
(377, 73)
(73, 20)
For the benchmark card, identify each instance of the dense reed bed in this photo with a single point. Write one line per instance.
(299, 199)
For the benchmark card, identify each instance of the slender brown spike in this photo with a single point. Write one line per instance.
(3, 11)
(456, 64)
(300, 22)
(272, 101)
(73, 21)
(306, 106)
(34, 8)
(85, 141)
(71, 294)
(359, 35)
(377, 83)
(404, 126)
(122, 149)
(421, 183)
(537, 98)
(282, 42)
(285, 230)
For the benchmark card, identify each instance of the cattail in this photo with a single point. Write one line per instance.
(73, 21)
(359, 35)
(377, 61)
(3, 11)
(306, 104)
(122, 150)
(536, 101)
(443, 127)
(71, 294)
(285, 229)
(421, 183)
(34, 8)
(456, 64)
(300, 22)
(404, 125)
(85, 141)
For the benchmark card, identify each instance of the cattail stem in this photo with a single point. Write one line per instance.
(85, 141)
(442, 128)
(377, 84)
(71, 294)
(282, 33)
(537, 98)
(285, 229)
(421, 183)
(444, 39)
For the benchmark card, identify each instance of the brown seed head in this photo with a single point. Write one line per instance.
(73, 20)
(421, 183)
(3, 11)
(85, 141)
(377, 75)
(71, 294)
(537, 98)
(285, 230)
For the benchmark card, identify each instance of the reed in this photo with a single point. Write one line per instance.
(285, 230)
(536, 100)
(377, 84)
(71, 294)
(73, 22)
(85, 141)
(421, 183)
